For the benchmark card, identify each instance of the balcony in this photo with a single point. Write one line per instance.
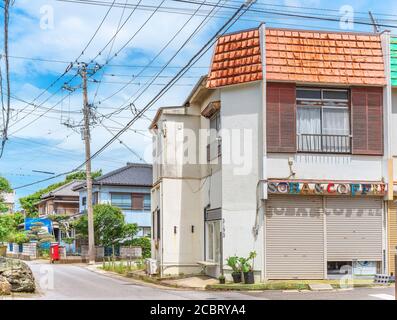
(324, 143)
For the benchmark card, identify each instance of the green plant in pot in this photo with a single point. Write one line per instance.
(247, 266)
(222, 279)
(234, 263)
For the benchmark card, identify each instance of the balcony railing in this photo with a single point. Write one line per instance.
(324, 143)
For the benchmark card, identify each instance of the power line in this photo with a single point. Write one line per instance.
(149, 83)
(158, 54)
(291, 14)
(225, 27)
(63, 74)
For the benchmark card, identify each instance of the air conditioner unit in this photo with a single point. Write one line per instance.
(151, 266)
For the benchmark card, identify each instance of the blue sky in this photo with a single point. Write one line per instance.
(46, 144)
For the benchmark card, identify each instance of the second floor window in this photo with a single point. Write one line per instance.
(323, 120)
(121, 200)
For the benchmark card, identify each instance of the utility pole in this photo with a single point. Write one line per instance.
(90, 211)
(376, 28)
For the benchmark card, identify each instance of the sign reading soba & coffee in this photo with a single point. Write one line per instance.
(326, 189)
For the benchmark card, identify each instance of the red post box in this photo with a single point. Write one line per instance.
(54, 252)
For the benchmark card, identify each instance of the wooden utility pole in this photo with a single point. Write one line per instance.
(90, 211)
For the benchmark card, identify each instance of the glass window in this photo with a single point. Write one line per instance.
(323, 121)
(121, 200)
(215, 122)
(336, 95)
(84, 201)
(308, 94)
(213, 240)
(146, 202)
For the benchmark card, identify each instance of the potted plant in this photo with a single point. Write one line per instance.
(222, 279)
(247, 266)
(233, 262)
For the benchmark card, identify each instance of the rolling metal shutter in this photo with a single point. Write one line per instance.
(392, 235)
(294, 238)
(354, 228)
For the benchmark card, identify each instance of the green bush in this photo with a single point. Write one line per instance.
(145, 244)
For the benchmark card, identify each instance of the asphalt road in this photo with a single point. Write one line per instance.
(65, 282)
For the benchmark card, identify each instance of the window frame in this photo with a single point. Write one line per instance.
(215, 251)
(321, 104)
(121, 193)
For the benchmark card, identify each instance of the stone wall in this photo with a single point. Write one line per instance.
(30, 250)
(99, 252)
(131, 252)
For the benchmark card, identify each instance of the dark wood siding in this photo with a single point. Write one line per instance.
(367, 120)
(281, 117)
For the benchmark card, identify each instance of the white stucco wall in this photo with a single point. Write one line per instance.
(242, 110)
(325, 167)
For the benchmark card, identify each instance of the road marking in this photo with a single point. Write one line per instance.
(382, 296)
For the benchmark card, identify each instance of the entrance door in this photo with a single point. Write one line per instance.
(294, 238)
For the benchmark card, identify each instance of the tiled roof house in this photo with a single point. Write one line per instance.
(298, 56)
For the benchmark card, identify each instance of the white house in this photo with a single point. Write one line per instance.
(284, 149)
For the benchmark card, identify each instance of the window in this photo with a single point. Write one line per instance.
(84, 201)
(215, 122)
(213, 237)
(95, 197)
(137, 201)
(146, 202)
(121, 200)
(214, 147)
(323, 120)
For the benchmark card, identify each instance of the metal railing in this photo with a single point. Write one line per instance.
(324, 143)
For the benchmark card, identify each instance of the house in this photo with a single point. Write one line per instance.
(9, 200)
(127, 188)
(284, 149)
(392, 212)
(61, 201)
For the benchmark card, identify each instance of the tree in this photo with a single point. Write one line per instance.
(7, 226)
(39, 234)
(29, 202)
(109, 225)
(5, 187)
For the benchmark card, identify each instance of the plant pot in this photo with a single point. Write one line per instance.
(222, 281)
(236, 277)
(249, 277)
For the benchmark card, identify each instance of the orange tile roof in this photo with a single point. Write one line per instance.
(299, 56)
(237, 59)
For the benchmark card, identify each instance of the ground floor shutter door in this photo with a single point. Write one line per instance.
(392, 232)
(354, 228)
(294, 238)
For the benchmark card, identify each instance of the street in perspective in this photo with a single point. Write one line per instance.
(226, 152)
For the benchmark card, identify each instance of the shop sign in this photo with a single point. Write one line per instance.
(327, 189)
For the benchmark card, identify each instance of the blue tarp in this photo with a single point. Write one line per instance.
(47, 223)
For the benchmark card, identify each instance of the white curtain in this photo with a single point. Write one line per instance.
(309, 122)
(336, 121)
